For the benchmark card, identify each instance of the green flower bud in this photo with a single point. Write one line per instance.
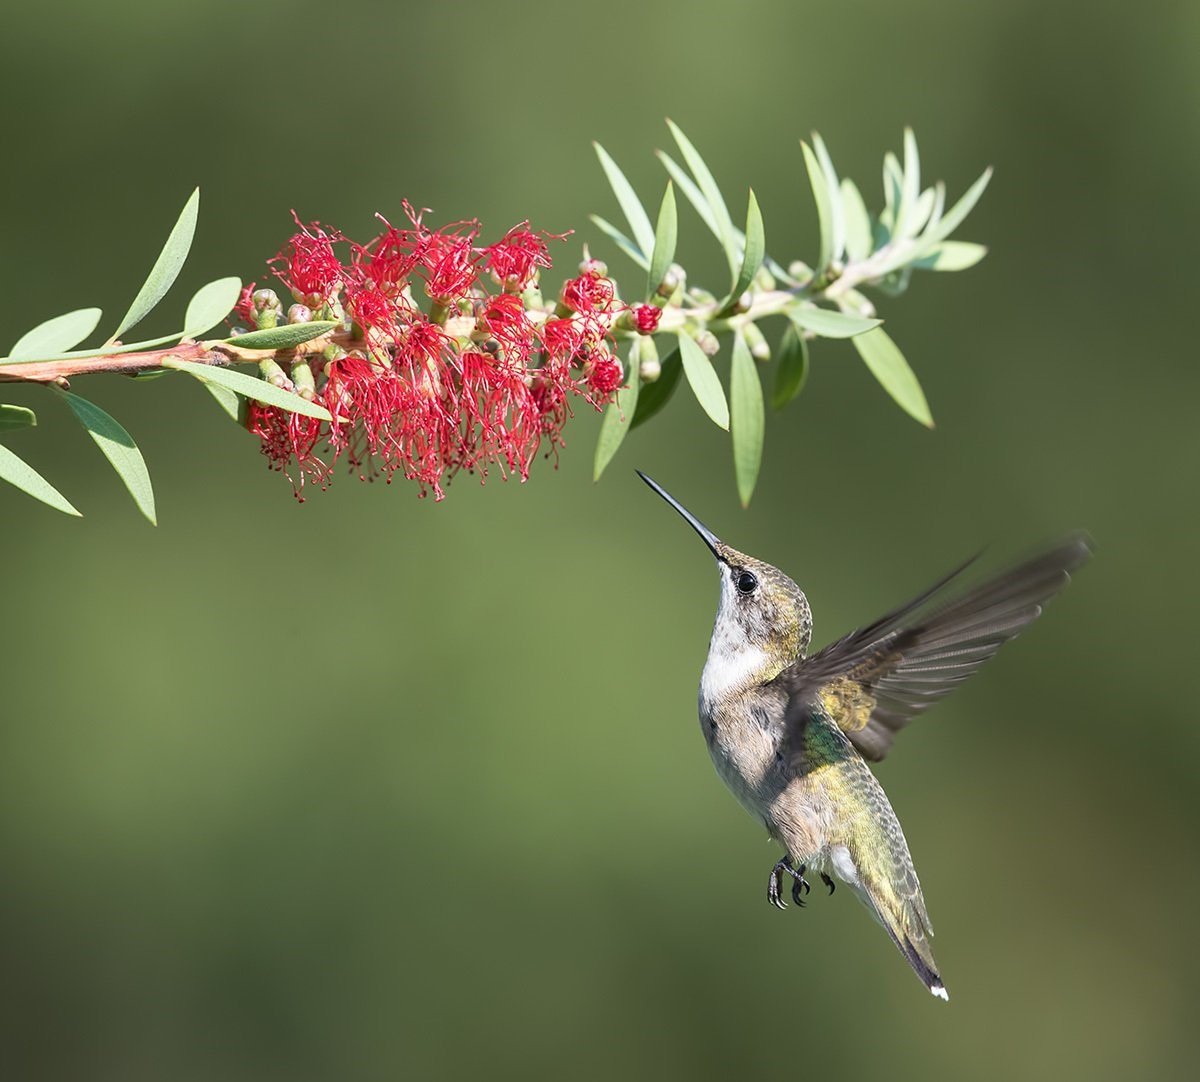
(760, 348)
(707, 341)
(649, 368)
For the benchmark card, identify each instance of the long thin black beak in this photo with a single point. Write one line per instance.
(709, 538)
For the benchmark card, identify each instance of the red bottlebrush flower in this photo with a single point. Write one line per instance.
(562, 337)
(288, 437)
(646, 317)
(450, 262)
(516, 258)
(244, 309)
(589, 294)
(606, 374)
(412, 398)
(311, 268)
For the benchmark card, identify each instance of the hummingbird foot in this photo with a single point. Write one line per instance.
(800, 885)
(828, 882)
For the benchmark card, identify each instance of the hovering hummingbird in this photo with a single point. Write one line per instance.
(790, 734)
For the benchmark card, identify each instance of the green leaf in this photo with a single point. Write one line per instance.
(893, 183)
(837, 224)
(858, 222)
(118, 447)
(791, 372)
(283, 337)
(665, 234)
(166, 267)
(752, 255)
(211, 304)
(746, 418)
(226, 399)
(702, 378)
(18, 472)
(822, 197)
(620, 240)
(631, 205)
(910, 188)
(13, 417)
(712, 194)
(952, 255)
(887, 364)
(953, 218)
(55, 335)
(618, 418)
(828, 323)
(653, 396)
(250, 387)
(694, 196)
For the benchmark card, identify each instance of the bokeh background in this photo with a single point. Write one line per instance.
(375, 788)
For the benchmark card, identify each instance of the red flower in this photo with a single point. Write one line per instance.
(516, 258)
(588, 294)
(606, 374)
(412, 396)
(312, 270)
(646, 317)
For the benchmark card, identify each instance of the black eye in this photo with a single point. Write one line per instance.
(747, 583)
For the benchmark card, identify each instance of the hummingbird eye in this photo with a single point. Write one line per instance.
(746, 583)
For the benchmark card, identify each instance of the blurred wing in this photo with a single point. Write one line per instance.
(875, 680)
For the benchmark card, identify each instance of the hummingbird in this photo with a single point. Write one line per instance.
(791, 733)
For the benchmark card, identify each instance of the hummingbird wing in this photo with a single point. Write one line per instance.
(875, 680)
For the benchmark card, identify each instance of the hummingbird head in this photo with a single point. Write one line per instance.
(763, 620)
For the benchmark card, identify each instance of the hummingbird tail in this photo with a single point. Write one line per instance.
(921, 961)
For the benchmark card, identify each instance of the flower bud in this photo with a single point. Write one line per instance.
(299, 313)
(649, 368)
(760, 348)
(302, 377)
(800, 271)
(857, 303)
(707, 341)
(274, 375)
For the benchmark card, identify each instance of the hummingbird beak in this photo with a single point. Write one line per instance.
(706, 535)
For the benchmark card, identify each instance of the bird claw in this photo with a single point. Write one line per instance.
(800, 885)
(828, 882)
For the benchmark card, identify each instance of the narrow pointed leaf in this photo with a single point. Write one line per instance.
(746, 418)
(837, 225)
(249, 387)
(284, 337)
(631, 205)
(953, 218)
(620, 240)
(211, 304)
(887, 364)
(166, 267)
(688, 186)
(712, 193)
(791, 370)
(618, 418)
(226, 399)
(824, 200)
(910, 188)
(893, 181)
(653, 396)
(952, 255)
(665, 234)
(703, 380)
(56, 335)
(16, 471)
(858, 222)
(753, 252)
(13, 417)
(828, 323)
(118, 447)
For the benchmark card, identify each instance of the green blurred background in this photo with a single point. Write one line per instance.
(374, 788)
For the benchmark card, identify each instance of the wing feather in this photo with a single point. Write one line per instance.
(875, 680)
